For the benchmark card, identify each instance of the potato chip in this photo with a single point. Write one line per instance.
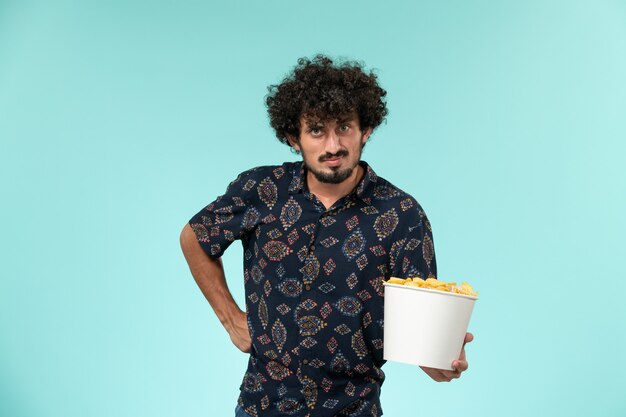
(435, 284)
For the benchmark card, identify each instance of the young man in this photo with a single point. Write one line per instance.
(319, 238)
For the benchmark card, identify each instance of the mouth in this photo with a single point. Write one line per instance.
(334, 161)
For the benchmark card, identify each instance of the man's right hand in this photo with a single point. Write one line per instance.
(239, 332)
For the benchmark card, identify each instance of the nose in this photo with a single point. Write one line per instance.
(332, 143)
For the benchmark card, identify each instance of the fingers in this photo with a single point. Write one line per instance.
(441, 375)
(460, 365)
(435, 374)
(447, 376)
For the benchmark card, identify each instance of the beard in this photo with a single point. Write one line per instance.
(336, 175)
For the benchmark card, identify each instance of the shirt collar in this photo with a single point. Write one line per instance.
(363, 190)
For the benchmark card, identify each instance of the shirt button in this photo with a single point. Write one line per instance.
(307, 286)
(312, 248)
(306, 361)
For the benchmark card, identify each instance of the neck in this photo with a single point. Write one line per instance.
(327, 193)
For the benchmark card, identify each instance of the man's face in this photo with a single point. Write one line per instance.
(331, 149)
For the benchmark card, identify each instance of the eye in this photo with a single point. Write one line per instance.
(344, 128)
(316, 131)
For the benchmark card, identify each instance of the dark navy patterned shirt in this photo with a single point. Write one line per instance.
(313, 284)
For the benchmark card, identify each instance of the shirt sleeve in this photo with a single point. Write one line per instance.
(230, 217)
(413, 254)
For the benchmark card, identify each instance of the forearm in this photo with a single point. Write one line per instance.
(209, 275)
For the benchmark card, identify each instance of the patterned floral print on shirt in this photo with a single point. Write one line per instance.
(313, 284)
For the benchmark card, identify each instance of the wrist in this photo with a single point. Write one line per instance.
(230, 317)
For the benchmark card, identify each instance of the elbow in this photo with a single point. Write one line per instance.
(191, 247)
(185, 235)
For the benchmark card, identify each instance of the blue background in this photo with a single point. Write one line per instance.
(121, 119)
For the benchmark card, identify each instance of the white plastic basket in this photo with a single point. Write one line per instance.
(425, 327)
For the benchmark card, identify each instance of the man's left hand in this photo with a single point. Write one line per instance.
(460, 365)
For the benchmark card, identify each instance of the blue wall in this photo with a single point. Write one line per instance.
(119, 120)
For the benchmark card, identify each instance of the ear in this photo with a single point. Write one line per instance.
(293, 142)
(366, 134)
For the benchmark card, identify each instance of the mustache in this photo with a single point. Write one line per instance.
(327, 156)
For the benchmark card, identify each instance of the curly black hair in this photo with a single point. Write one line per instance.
(322, 90)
